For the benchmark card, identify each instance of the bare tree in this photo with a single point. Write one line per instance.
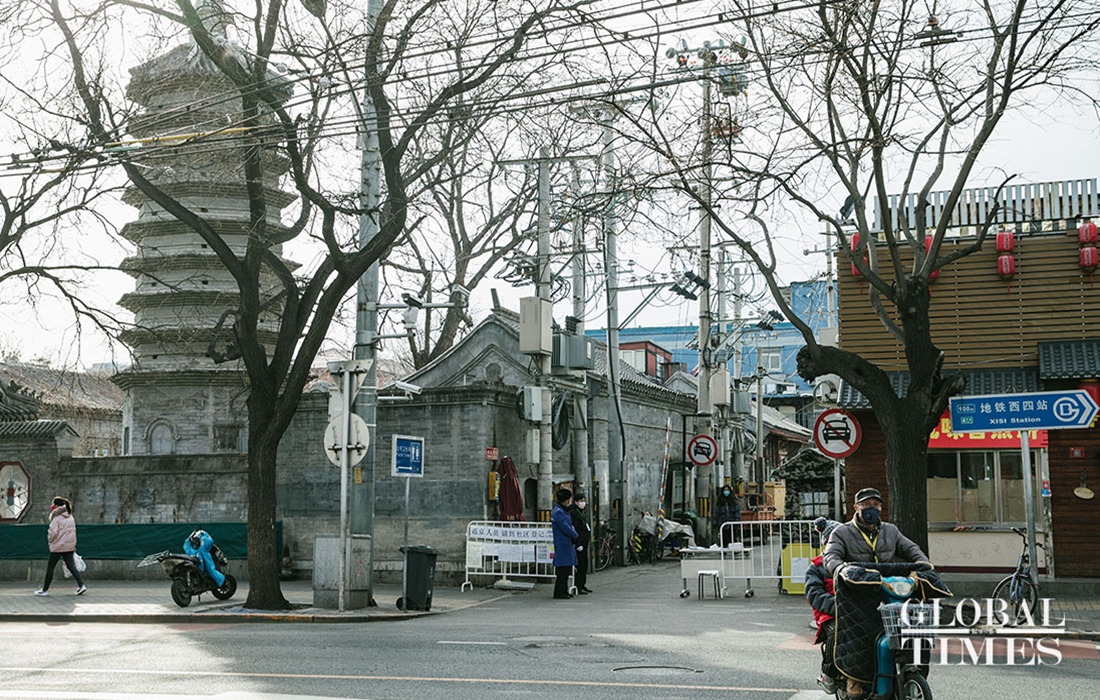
(279, 125)
(466, 223)
(859, 100)
(49, 193)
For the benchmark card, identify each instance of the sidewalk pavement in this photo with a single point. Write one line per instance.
(151, 601)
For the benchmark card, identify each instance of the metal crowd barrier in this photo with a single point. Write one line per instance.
(779, 550)
(502, 549)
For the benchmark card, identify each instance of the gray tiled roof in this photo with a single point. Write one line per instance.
(1069, 359)
(978, 382)
(33, 428)
(64, 388)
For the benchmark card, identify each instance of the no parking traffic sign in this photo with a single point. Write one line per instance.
(837, 433)
(702, 450)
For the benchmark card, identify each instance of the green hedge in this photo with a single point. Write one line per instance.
(128, 540)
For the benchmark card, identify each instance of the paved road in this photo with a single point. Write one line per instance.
(634, 638)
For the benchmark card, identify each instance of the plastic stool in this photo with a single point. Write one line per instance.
(715, 576)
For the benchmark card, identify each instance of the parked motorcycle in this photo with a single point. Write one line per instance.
(188, 579)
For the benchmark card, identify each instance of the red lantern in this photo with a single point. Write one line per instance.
(1086, 233)
(1090, 258)
(1006, 242)
(854, 244)
(1006, 267)
(927, 247)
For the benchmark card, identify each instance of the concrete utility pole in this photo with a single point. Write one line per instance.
(361, 491)
(618, 473)
(703, 475)
(546, 447)
(582, 470)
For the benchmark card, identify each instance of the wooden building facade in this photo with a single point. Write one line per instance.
(1036, 330)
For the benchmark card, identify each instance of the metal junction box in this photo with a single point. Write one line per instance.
(532, 403)
(535, 315)
(572, 351)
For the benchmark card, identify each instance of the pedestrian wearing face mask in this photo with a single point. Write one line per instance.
(727, 509)
(584, 536)
(866, 538)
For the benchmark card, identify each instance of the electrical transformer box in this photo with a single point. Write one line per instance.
(534, 445)
(532, 403)
(535, 315)
(720, 387)
(572, 351)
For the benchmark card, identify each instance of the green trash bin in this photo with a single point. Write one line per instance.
(419, 578)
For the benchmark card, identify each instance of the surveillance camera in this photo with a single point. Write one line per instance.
(408, 388)
(412, 300)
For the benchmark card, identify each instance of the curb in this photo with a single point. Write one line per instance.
(220, 615)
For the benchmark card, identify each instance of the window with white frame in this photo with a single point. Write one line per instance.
(771, 359)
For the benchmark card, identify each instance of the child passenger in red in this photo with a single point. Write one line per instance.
(819, 592)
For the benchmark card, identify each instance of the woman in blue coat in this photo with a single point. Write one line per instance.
(565, 556)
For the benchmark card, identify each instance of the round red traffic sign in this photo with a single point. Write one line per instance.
(837, 433)
(702, 450)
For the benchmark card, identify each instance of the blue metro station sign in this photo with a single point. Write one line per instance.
(1045, 410)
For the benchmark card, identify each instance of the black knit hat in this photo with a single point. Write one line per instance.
(564, 495)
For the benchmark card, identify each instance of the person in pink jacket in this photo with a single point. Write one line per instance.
(62, 539)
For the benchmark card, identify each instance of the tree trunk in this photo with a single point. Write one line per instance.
(264, 591)
(906, 471)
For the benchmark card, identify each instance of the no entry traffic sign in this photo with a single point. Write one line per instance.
(702, 450)
(837, 433)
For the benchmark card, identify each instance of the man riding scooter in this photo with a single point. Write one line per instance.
(866, 538)
(198, 545)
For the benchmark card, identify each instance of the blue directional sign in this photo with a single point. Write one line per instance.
(408, 456)
(1045, 410)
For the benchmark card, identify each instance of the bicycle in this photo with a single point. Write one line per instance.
(605, 550)
(1019, 588)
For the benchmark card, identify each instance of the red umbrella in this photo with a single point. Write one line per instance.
(510, 498)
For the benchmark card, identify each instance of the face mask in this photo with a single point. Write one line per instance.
(53, 507)
(726, 494)
(871, 516)
(581, 504)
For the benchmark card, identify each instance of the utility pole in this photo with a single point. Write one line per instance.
(703, 485)
(545, 496)
(618, 487)
(361, 491)
(758, 471)
(546, 447)
(582, 469)
(739, 421)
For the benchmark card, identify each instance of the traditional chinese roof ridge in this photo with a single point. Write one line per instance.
(34, 429)
(64, 388)
(17, 403)
(1069, 359)
(978, 382)
(509, 320)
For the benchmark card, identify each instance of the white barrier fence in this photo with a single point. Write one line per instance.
(502, 549)
(779, 550)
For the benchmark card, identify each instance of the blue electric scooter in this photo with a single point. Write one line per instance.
(897, 676)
